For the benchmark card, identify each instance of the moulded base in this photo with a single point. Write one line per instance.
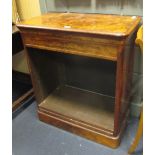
(102, 137)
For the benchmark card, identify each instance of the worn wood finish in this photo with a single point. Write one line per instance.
(90, 35)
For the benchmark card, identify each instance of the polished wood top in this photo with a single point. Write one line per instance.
(113, 25)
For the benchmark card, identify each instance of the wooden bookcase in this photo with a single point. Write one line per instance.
(81, 69)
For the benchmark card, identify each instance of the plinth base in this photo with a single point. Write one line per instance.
(81, 129)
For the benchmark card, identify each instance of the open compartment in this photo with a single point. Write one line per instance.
(76, 87)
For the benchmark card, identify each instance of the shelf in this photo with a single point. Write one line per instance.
(82, 105)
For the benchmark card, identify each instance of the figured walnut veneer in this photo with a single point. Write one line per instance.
(113, 25)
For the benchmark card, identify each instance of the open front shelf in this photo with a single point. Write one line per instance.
(77, 89)
(82, 105)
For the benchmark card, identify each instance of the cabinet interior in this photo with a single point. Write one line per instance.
(80, 88)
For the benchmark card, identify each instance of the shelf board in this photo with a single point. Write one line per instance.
(82, 105)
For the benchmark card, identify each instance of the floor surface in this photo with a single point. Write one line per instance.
(33, 137)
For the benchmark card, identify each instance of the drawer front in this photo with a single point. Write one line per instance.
(73, 43)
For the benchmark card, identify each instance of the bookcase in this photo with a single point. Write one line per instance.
(81, 70)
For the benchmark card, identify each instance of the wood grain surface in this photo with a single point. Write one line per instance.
(113, 25)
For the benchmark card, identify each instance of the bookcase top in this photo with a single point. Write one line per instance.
(112, 25)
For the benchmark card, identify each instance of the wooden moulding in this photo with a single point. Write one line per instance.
(99, 137)
(84, 129)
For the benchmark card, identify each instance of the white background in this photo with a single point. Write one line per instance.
(6, 77)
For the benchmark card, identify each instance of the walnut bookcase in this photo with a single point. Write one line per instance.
(81, 69)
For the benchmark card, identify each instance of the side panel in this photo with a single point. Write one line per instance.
(124, 81)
